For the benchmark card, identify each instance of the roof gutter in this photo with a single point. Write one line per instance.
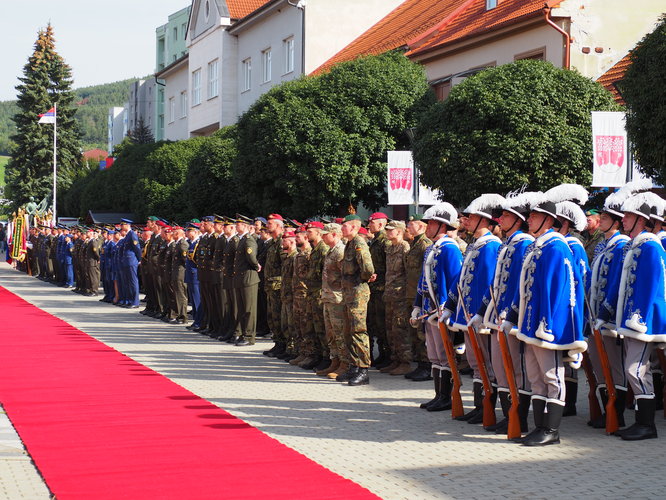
(567, 38)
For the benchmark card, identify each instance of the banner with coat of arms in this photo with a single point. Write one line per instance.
(609, 142)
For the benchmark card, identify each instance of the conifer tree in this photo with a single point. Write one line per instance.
(141, 134)
(46, 81)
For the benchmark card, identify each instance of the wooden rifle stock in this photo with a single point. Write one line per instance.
(612, 424)
(595, 409)
(488, 407)
(456, 401)
(513, 430)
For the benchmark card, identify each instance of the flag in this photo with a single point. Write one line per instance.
(48, 117)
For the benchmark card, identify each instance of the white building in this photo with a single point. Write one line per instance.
(141, 104)
(117, 126)
(173, 83)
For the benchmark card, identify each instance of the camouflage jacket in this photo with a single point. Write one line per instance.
(287, 291)
(414, 264)
(357, 264)
(378, 252)
(396, 273)
(273, 267)
(331, 286)
(300, 273)
(313, 277)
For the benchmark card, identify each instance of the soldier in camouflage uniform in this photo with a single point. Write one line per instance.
(331, 297)
(376, 307)
(397, 307)
(357, 272)
(413, 265)
(315, 310)
(303, 327)
(273, 281)
(287, 295)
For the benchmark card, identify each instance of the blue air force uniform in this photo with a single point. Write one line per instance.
(131, 255)
(192, 282)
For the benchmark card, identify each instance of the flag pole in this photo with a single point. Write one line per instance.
(55, 143)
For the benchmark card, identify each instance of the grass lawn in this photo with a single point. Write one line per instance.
(3, 162)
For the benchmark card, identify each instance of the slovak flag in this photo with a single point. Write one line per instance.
(48, 117)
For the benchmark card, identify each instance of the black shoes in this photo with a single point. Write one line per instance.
(644, 427)
(548, 432)
(421, 373)
(361, 377)
(348, 375)
(243, 342)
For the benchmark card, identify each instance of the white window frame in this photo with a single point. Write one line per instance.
(183, 104)
(213, 79)
(246, 75)
(172, 109)
(288, 45)
(266, 65)
(491, 4)
(196, 87)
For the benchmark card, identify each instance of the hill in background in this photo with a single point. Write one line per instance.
(93, 109)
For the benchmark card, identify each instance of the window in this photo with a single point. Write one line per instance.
(247, 74)
(183, 31)
(207, 9)
(212, 79)
(196, 87)
(536, 54)
(175, 34)
(266, 65)
(183, 104)
(288, 45)
(172, 109)
(442, 90)
(491, 4)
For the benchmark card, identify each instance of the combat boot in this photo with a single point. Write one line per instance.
(335, 363)
(361, 377)
(323, 364)
(443, 402)
(348, 375)
(570, 398)
(502, 426)
(298, 359)
(311, 363)
(401, 369)
(436, 375)
(644, 427)
(422, 372)
(549, 433)
(524, 401)
(390, 367)
(342, 368)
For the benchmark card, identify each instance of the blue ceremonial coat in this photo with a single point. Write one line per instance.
(551, 296)
(641, 306)
(476, 275)
(131, 249)
(580, 258)
(441, 266)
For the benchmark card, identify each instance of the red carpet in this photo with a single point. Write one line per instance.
(99, 425)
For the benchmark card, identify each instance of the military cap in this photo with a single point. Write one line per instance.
(302, 228)
(418, 217)
(275, 216)
(378, 215)
(193, 225)
(243, 219)
(315, 224)
(152, 218)
(168, 229)
(363, 231)
(111, 231)
(351, 217)
(592, 211)
(146, 228)
(195, 221)
(260, 219)
(208, 218)
(396, 224)
(126, 221)
(228, 221)
(331, 227)
(338, 220)
(289, 234)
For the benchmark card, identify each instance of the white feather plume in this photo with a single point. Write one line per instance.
(485, 203)
(648, 198)
(523, 199)
(567, 192)
(572, 212)
(617, 198)
(443, 210)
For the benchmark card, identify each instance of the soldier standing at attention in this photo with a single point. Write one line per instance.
(192, 274)
(201, 260)
(357, 272)
(397, 307)
(376, 310)
(231, 326)
(178, 259)
(303, 328)
(315, 308)
(262, 235)
(287, 295)
(216, 244)
(131, 255)
(273, 278)
(246, 282)
(413, 265)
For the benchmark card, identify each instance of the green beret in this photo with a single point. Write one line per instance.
(592, 211)
(351, 217)
(416, 217)
(153, 218)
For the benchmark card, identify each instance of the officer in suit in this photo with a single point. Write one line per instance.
(246, 282)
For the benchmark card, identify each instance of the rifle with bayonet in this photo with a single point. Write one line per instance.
(488, 407)
(513, 429)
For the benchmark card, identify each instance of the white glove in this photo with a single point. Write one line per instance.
(576, 361)
(506, 326)
(476, 322)
(445, 316)
(413, 320)
(598, 324)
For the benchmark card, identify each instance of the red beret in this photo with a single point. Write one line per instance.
(378, 215)
(302, 228)
(168, 229)
(316, 224)
(363, 231)
(161, 223)
(275, 216)
(289, 234)
(338, 220)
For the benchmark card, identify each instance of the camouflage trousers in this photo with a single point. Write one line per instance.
(397, 316)
(287, 324)
(303, 327)
(334, 318)
(417, 338)
(376, 320)
(274, 313)
(316, 313)
(355, 328)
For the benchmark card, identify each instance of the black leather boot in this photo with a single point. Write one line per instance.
(444, 401)
(478, 401)
(478, 418)
(538, 408)
(549, 433)
(502, 426)
(348, 375)
(599, 423)
(658, 382)
(422, 373)
(524, 401)
(620, 405)
(360, 378)
(436, 375)
(570, 398)
(644, 427)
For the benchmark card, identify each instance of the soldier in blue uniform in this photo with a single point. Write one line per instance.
(476, 276)
(192, 274)
(68, 267)
(441, 267)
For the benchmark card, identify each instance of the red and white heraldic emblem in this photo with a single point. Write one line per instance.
(401, 179)
(610, 151)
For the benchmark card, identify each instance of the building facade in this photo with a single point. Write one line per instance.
(116, 126)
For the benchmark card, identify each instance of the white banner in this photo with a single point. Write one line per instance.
(400, 182)
(609, 142)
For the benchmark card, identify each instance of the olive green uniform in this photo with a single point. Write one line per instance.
(397, 308)
(303, 327)
(413, 267)
(273, 282)
(315, 308)
(287, 301)
(334, 308)
(376, 306)
(246, 286)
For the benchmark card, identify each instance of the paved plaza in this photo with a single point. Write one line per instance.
(374, 435)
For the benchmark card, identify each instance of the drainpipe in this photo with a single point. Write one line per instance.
(567, 38)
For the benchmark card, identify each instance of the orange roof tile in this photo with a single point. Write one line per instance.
(475, 19)
(614, 75)
(241, 8)
(407, 21)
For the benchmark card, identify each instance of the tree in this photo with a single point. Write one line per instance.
(643, 90)
(525, 123)
(46, 81)
(141, 134)
(318, 144)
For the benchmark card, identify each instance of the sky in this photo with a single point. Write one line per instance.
(102, 41)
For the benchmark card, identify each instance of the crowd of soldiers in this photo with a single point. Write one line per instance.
(504, 300)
